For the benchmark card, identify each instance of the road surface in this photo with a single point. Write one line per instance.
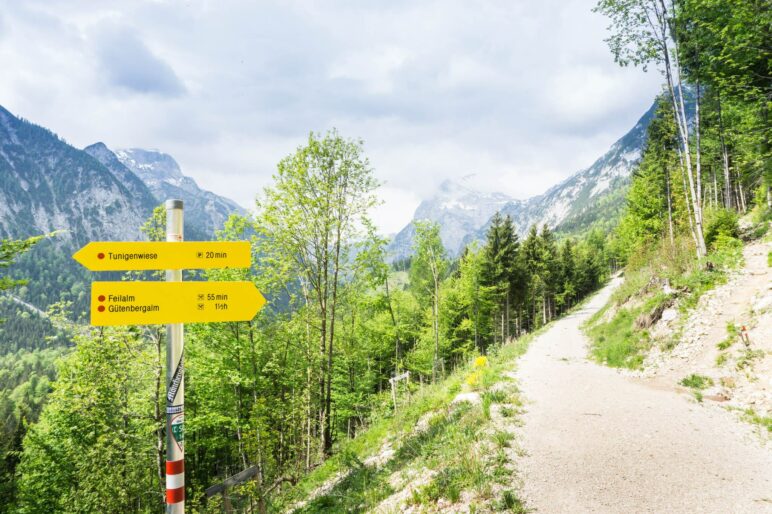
(597, 441)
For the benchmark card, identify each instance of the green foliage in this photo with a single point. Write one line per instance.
(695, 381)
(720, 225)
(616, 343)
(93, 448)
(751, 416)
(25, 381)
(733, 333)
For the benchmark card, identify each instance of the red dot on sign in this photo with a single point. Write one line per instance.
(100, 256)
(101, 298)
(101, 308)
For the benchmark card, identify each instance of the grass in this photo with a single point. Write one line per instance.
(748, 357)
(511, 503)
(751, 416)
(732, 334)
(616, 340)
(617, 343)
(450, 446)
(695, 381)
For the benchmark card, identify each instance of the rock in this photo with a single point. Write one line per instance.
(728, 382)
(473, 398)
(647, 319)
(423, 423)
(763, 303)
(382, 457)
(669, 315)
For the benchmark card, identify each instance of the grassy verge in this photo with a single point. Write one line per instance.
(619, 333)
(456, 452)
(751, 416)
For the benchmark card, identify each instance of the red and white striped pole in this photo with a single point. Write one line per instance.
(175, 383)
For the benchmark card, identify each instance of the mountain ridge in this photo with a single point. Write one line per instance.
(572, 205)
(205, 212)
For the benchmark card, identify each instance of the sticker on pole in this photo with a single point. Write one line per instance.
(178, 430)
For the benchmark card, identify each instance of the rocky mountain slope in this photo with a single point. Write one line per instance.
(47, 185)
(87, 195)
(458, 208)
(204, 210)
(92, 194)
(585, 198)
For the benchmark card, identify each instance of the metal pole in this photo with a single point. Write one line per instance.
(175, 383)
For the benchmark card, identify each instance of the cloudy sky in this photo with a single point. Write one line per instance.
(521, 93)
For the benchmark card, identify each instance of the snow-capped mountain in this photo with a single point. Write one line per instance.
(205, 211)
(588, 194)
(458, 208)
(574, 204)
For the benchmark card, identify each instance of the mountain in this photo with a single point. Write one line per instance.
(205, 212)
(589, 194)
(594, 195)
(47, 185)
(87, 195)
(458, 208)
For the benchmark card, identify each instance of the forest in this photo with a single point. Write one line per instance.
(282, 391)
(83, 425)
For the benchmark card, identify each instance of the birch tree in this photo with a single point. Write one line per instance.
(644, 32)
(426, 273)
(313, 215)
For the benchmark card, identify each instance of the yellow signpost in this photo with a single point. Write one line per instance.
(144, 255)
(173, 303)
(150, 303)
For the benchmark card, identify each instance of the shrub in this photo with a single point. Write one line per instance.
(720, 222)
(695, 381)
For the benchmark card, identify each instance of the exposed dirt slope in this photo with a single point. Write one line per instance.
(596, 440)
(742, 375)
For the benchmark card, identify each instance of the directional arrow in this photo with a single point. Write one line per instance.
(151, 303)
(144, 255)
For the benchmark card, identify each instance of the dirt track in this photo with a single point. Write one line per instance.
(597, 441)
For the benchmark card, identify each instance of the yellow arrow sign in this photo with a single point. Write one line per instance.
(143, 255)
(151, 303)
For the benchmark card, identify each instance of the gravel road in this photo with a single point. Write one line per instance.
(597, 441)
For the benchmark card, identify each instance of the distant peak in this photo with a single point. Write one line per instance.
(97, 147)
(150, 163)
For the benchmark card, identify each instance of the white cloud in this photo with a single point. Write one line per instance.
(520, 93)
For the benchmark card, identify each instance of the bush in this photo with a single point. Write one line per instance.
(720, 222)
(695, 381)
(727, 252)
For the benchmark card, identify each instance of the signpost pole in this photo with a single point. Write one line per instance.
(175, 383)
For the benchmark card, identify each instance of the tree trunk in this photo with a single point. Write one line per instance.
(397, 342)
(669, 208)
(436, 315)
(724, 156)
(506, 310)
(679, 112)
(741, 193)
(698, 150)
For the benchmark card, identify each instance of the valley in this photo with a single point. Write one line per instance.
(344, 257)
